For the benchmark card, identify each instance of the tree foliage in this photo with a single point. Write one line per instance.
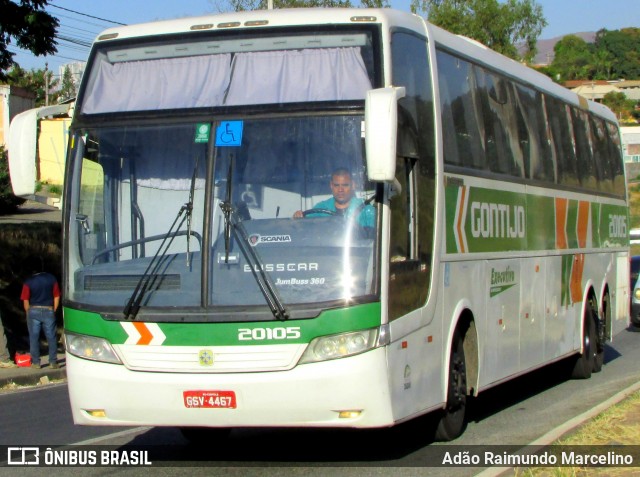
(30, 26)
(499, 25)
(623, 48)
(34, 81)
(614, 55)
(68, 87)
(573, 58)
(620, 105)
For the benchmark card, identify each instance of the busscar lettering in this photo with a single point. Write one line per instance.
(489, 220)
(283, 267)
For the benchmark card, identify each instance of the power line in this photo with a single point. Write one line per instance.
(75, 41)
(84, 22)
(87, 15)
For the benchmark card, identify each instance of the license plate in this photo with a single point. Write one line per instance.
(209, 399)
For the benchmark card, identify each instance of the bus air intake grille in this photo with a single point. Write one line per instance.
(220, 359)
(129, 282)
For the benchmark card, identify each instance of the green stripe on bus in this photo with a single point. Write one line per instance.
(488, 220)
(227, 334)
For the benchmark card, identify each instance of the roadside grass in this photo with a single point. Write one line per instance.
(618, 425)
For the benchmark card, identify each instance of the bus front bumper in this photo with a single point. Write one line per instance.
(348, 392)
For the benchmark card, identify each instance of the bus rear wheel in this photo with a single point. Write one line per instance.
(453, 419)
(586, 362)
(602, 334)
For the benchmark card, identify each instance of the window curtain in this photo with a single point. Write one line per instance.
(215, 80)
(189, 82)
(298, 75)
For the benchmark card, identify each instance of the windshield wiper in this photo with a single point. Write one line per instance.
(266, 285)
(150, 275)
(227, 208)
(190, 211)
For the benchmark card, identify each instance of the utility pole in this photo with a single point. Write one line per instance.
(46, 84)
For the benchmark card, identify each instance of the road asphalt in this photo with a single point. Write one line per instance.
(33, 211)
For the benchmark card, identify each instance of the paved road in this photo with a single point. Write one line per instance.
(32, 211)
(516, 413)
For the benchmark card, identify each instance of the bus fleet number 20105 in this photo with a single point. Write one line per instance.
(260, 334)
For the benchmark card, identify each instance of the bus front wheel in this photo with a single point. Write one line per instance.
(452, 420)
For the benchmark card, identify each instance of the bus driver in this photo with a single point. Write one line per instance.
(343, 201)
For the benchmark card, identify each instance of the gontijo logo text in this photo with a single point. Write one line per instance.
(490, 220)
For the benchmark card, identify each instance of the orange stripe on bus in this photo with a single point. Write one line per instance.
(583, 222)
(561, 223)
(145, 334)
(576, 278)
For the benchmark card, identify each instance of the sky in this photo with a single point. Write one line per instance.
(78, 28)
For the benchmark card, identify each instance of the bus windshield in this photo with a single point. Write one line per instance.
(214, 203)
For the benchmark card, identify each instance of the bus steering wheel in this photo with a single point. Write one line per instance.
(319, 211)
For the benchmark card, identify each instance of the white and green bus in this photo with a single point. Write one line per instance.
(498, 242)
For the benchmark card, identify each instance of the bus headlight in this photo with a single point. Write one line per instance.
(636, 294)
(90, 347)
(325, 348)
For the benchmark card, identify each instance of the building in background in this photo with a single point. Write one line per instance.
(631, 143)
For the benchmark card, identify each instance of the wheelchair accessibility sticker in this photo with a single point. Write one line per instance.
(229, 133)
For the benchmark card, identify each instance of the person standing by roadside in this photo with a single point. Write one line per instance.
(5, 359)
(41, 297)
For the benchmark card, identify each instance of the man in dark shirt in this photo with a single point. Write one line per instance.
(41, 297)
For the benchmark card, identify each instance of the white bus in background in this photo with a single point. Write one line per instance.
(194, 299)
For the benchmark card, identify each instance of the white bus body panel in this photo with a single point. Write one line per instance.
(308, 395)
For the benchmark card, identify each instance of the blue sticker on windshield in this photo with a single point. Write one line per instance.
(229, 133)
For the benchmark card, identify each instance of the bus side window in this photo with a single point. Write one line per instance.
(463, 137)
(500, 117)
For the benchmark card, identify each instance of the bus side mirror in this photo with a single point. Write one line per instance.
(381, 129)
(23, 132)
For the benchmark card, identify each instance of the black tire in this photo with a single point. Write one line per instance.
(453, 419)
(585, 363)
(602, 334)
(205, 435)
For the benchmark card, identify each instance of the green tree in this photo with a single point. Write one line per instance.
(30, 26)
(499, 25)
(623, 47)
(620, 105)
(603, 63)
(68, 88)
(573, 59)
(34, 81)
